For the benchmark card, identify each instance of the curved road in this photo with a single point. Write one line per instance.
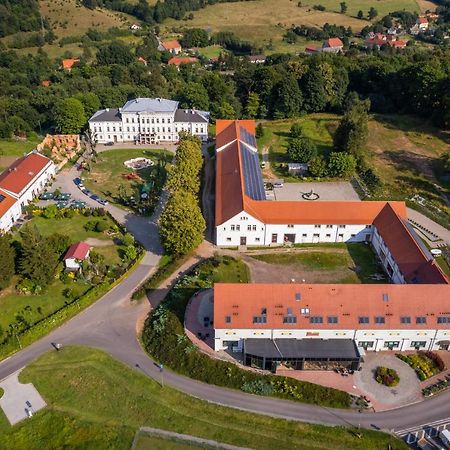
(110, 325)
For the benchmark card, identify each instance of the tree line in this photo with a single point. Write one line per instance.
(19, 15)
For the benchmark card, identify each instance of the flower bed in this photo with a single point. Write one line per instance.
(164, 338)
(437, 387)
(388, 377)
(426, 364)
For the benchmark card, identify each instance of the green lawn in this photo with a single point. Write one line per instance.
(95, 402)
(13, 147)
(337, 263)
(212, 51)
(149, 442)
(108, 174)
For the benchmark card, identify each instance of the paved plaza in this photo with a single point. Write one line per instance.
(19, 401)
(327, 191)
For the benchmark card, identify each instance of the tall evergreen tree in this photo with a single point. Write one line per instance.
(7, 264)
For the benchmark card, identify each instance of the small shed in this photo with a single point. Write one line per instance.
(76, 254)
(298, 168)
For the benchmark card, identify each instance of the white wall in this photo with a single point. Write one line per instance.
(378, 338)
(10, 216)
(387, 260)
(106, 131)
(230, 232)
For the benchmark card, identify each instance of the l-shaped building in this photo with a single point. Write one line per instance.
(312, 326)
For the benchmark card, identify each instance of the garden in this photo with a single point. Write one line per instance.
(387, 376)
(165, 340)
(426, 364)
(137, 188)
(36, 293)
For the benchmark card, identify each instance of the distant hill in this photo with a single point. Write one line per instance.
(19, 15)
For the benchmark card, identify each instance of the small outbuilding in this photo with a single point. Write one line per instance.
(76, 254)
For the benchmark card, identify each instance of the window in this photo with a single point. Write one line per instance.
(365, 344)
(227, 319)
(257, 239)
(352, 235)
(259, 319)
(316, 319)
(317, 226)
(316, 235)
(332, 319)
(298, 296)
(392, 344)
(443, 319)
(289, 319)
(233, 227)
(304, 311)
(228, 239)
(304, 235)
(420, 320)
(249, 228)
(363, 319)
(254, 227)
(328, 235)
(238, 227)
(329, 226)
(418, 344)
(263, 311)
(162, 120)
(341, 226)
(405, 319)
(379, 320)
(368, 226)
(107, 129)
(289, 311)
(290, 226)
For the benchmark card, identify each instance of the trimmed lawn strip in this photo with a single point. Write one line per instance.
(13, 147)
(164, 338)
(95, 402)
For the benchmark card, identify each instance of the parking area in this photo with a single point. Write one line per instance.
(19, 401)
(326, 191)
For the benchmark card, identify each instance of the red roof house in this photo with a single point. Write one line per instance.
(178, 61)
(173, 46)
(77, 252)
(333, 45)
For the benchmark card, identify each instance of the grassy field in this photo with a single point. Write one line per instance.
(36, 307)
(336, 263)
(10, 149)
(405, 150)
(263, 24)
(95, 402)
(147, 442)
(107, 177)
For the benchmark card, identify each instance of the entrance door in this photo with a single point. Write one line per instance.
(289, 238)
(274, 238)
(243, 240)
(368, 237)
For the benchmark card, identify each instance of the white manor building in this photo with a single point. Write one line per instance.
(148, 121)
(318, 326)
(20, 183)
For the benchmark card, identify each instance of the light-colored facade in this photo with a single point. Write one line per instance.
(10, 211)
(148, 121)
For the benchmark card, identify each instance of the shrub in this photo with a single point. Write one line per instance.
(387, 376)
(101, 226)
(91, 225)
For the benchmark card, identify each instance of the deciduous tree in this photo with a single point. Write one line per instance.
(301, 149)
(7, 265)
(70, 116)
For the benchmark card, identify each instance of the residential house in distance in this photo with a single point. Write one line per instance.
(180, 60)
(135, 26)
(420, 26)
(377, 40)
(20, 183)
(76, 254)
(148, 121)
(172, 46)
(68, 64)
(256, 59)
(332, 45)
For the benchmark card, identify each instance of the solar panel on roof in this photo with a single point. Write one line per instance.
(247, 137)
(253, 181)
(2, 197)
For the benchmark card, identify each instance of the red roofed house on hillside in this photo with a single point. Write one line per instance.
(68, 64)
(179, 60)
(173, 46)
(333, 45)
(76, 254)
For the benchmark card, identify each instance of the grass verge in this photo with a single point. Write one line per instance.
(95, 402)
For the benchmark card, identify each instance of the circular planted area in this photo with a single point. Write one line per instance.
(138, 163)
(386, 376)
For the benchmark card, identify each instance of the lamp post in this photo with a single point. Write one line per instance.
(161, 370)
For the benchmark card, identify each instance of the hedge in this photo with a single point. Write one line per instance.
(11, 344)
(164, 339)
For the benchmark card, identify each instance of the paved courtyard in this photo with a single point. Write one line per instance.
(328, 191)
(19, 400)
(407, 391)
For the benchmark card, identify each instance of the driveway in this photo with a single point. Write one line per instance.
(406, 392)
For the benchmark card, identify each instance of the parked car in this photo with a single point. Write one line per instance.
(77, 181)
(103, 202)
(109, 144)
(445, 438)
(95, 197)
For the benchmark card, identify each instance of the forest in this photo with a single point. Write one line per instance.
(19, 15)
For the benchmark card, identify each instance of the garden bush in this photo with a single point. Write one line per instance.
(101, 226)
(164, 338)
(426, 364)
(388, 377)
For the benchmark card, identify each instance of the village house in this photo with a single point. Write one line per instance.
(180, 60)
(148, 121)
(420, 26)
(135, 26)
(332, 45)
(20, 183)
(75, 256)
(68, 64)
(172, 46)
(256, 59)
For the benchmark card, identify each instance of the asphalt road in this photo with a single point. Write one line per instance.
(110, 325)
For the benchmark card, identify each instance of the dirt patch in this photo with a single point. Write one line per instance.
(6, 161)
(99, 242)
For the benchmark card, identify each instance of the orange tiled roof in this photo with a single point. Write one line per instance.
(78, 251)
(178, 60)
(171, 45)
(17, 177)
(46, 83)
(6, 202)
(334, 42)
(347, 302)
(67, 64)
